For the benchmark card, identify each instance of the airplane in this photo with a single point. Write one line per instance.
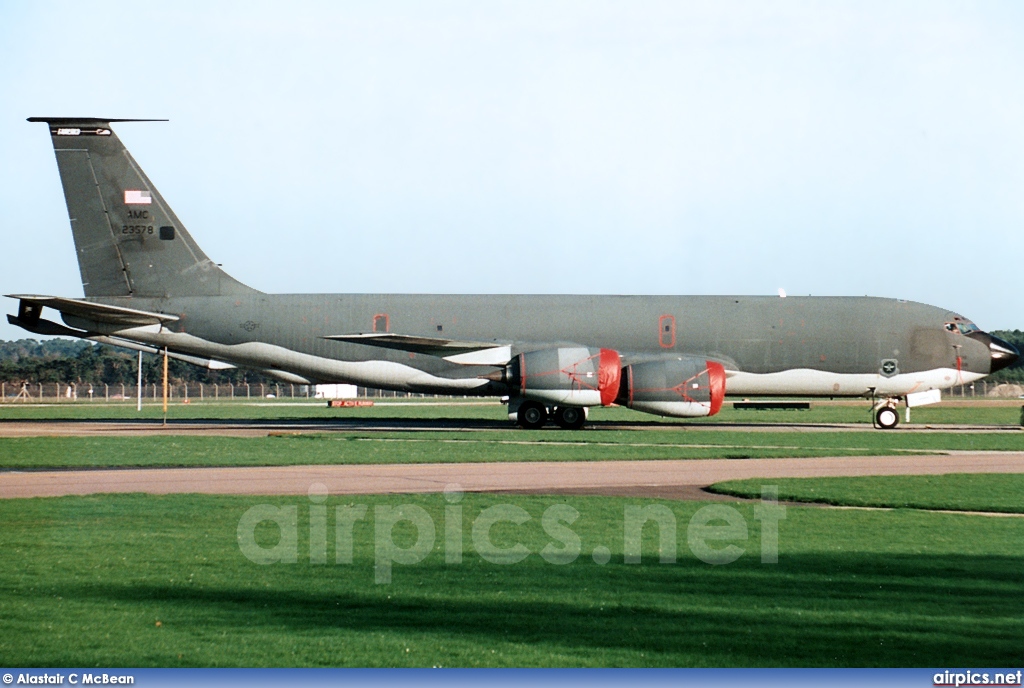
(149, 286)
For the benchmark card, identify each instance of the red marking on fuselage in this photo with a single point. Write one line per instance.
(667, 340)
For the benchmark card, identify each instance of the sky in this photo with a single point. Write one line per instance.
(826, 148)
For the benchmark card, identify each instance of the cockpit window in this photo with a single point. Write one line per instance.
(962, 327)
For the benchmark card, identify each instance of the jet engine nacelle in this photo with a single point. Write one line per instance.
(682, 387)
(572, 376)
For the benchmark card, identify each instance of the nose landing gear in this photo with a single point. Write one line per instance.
(886, 416)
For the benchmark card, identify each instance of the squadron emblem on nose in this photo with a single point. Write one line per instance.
(890, 367)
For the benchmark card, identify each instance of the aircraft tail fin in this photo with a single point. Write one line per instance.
(128, 240)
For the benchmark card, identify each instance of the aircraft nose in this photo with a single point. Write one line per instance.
(1002, 354)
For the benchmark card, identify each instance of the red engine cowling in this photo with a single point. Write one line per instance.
(573, 376)
(686, 387)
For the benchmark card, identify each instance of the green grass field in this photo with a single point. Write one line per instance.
(450, 447)
(137, 580)
(953, 412)
(956, 492)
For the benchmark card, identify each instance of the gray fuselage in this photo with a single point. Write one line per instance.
(752, 334)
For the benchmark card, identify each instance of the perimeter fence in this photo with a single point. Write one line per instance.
(59, 392)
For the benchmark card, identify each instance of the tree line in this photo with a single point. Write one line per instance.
(81, 361)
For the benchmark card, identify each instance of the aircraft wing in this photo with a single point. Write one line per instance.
(455, 351)
(31, 305)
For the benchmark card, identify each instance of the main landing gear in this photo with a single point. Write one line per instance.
(570, 417)
(533, 415)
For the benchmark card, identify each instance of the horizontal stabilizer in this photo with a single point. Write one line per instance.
(87, 120)
(466, 353)
(88, 310)
(44, 327)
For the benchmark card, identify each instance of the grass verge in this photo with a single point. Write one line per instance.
(136, 580)
(955, 492)
(452, 447)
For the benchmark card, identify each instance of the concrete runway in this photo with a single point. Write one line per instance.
(263, 427)
(678, 479)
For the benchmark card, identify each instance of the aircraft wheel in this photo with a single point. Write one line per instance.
(532, 415)
(887, 417)
(570, 417)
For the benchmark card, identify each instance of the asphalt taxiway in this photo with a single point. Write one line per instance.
(661, 478)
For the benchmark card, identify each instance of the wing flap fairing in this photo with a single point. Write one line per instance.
(453, 350)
